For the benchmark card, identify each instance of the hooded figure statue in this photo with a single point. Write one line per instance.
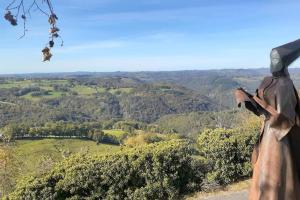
(276, 157)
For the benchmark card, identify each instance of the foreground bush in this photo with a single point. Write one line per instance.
(162, 170)
(143, 138)
(228, 153)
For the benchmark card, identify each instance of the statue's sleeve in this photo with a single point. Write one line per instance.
(286, 101)
(243, 97)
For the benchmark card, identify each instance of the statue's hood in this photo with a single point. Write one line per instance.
(284, 55)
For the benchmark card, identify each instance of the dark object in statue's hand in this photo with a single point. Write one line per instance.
(242, 96)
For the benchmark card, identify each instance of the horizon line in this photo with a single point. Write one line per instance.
(180, 70)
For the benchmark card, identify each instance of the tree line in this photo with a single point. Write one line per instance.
(59, 129)
(86, 130)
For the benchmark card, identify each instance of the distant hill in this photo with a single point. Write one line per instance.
(39, 99)
(141, 96)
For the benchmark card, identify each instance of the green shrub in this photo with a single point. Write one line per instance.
(162, 170)
(228, 153)
(142, 138)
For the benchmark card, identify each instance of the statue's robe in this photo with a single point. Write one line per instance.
(276, 160)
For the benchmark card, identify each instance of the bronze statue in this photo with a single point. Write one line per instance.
(276, 157)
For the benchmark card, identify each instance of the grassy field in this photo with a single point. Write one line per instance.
(26, 83)
(12, 84)
(86, 90)
(49, 96)
(31, 152)
(82, 90)
(121, 90)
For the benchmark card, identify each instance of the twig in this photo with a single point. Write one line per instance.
(16, 10)
(8, 7)
(39, 8)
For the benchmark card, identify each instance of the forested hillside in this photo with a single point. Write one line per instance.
(84, 99)
(160, 98)
(217, 85)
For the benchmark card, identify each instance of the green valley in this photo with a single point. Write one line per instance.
(140, 135)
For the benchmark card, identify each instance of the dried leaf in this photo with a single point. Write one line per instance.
(45, 50)
(47, 57)
(54, 30)
(9, 17)
(55, 35)
(51, 43)
(52, 20)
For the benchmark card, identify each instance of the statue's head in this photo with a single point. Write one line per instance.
(283, 56)
(276, 62)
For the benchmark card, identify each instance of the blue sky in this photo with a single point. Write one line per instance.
(136, 35)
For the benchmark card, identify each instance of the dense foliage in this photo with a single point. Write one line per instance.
(157, 171)
(191, 124)
(228, 152)
(10, 167)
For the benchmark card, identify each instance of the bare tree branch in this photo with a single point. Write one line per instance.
(16, 11)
